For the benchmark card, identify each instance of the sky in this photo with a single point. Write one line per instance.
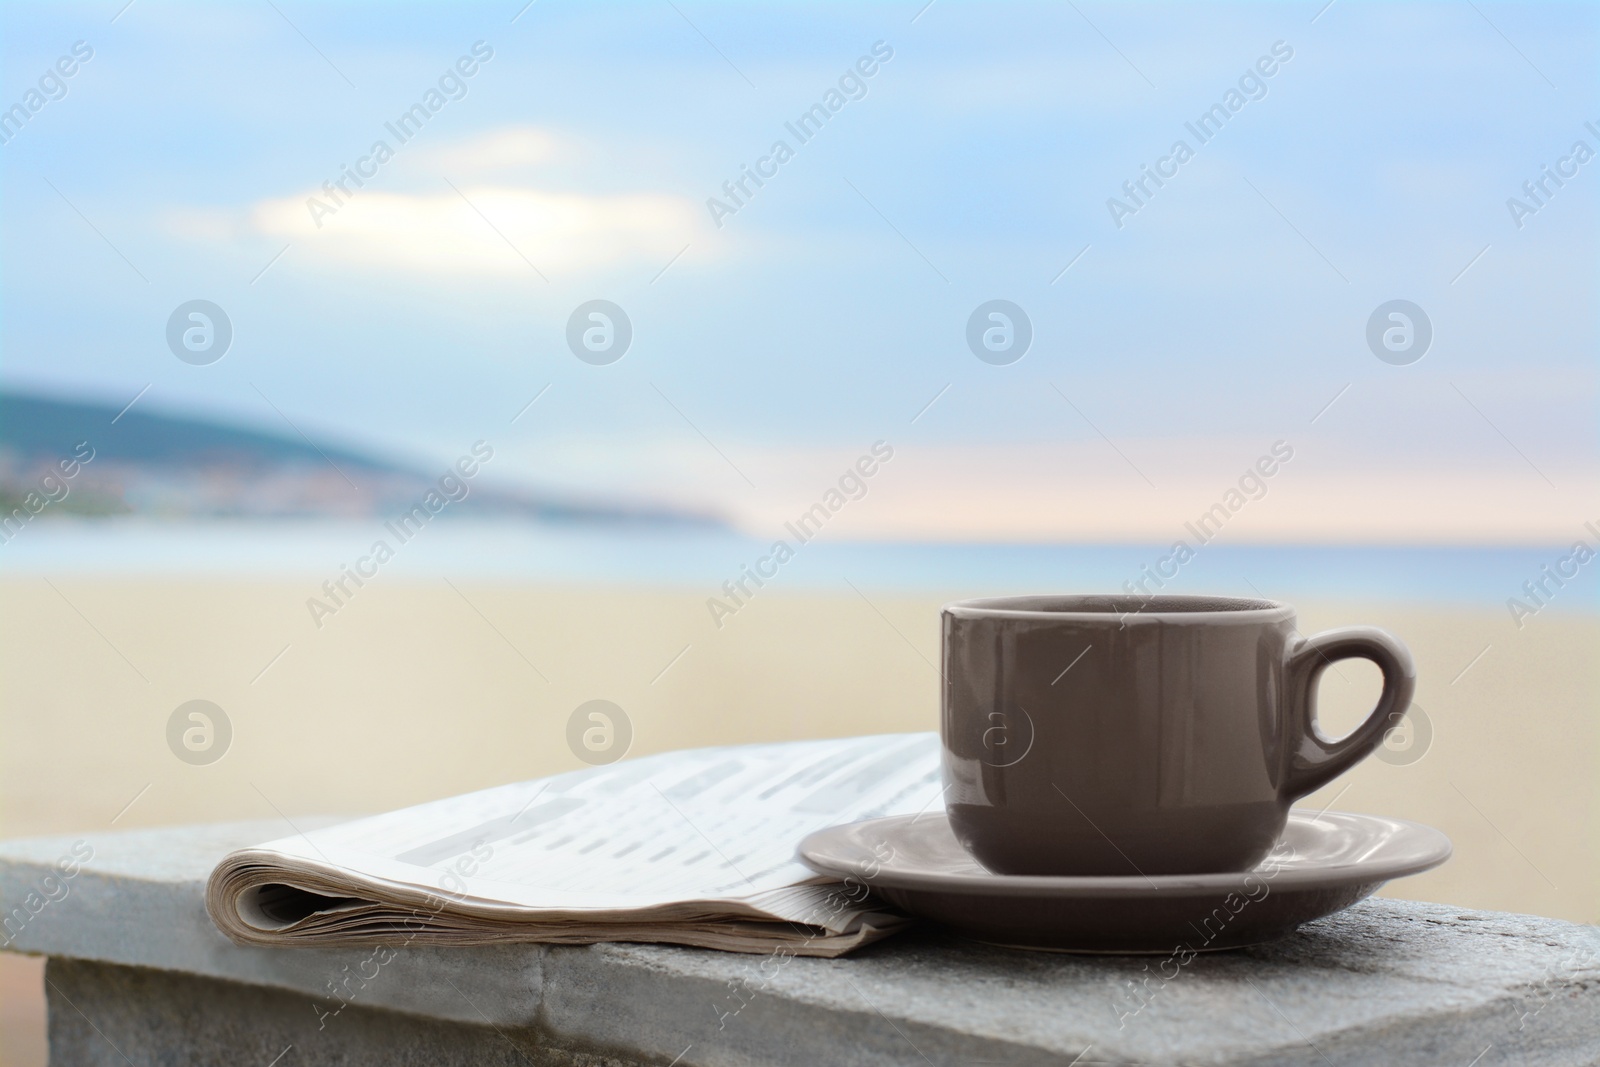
(1179, 333)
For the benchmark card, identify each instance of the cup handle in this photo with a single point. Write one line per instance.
(1316, 760)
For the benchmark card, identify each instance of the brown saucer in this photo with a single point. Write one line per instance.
(1321, 864)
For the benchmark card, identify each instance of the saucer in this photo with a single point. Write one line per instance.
(1320, 865)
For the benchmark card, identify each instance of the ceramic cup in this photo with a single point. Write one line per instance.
(1119, 735)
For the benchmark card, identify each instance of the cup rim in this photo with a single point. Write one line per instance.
(1170, 608)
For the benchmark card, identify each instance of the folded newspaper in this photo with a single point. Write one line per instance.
(692, 848)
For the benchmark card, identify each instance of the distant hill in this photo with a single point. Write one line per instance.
(44, 427)
(151, 463)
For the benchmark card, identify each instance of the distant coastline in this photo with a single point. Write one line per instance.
(157, 465)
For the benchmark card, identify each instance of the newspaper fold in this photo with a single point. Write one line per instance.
(692, 848)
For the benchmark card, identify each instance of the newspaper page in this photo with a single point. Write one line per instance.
(693, 847)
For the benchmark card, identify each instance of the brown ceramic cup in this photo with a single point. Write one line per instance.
(1118, 735)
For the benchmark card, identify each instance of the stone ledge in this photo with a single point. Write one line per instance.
(1385, 982)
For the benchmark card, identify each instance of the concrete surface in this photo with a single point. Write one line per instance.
(139, 974)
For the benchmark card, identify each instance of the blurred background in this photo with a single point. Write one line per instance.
(285, 283)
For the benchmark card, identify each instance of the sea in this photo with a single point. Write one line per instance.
(704, 559)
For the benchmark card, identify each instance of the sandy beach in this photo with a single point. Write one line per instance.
(413, 691)
(416, 691)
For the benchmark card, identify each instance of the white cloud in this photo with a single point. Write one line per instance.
(467, 233)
